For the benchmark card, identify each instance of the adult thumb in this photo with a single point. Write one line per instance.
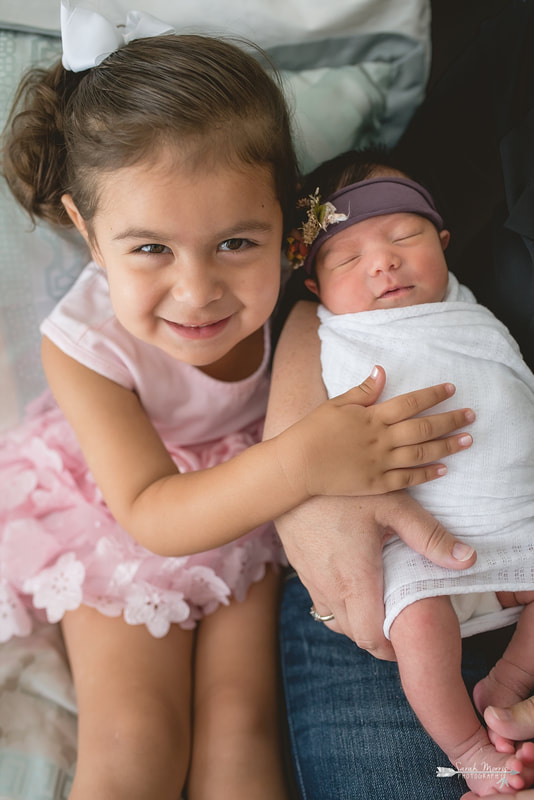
(516, 722)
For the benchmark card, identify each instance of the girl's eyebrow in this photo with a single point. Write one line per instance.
(140, 233)
(246, 226)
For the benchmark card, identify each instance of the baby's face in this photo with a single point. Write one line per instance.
(389, 261)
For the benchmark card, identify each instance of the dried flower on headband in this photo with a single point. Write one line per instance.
(319, 217)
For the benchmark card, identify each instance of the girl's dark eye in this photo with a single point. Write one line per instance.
(153, 249)
(233, 245)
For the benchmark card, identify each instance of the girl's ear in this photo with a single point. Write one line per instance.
(75, 216)
(445, 237)
(312, 285)
(78, 221)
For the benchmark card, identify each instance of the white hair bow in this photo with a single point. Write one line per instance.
(88, 37)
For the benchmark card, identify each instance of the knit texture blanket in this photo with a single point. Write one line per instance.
(487, 496)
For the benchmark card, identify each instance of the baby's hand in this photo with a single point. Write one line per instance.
(346, 448)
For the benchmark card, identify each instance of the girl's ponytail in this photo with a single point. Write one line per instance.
(34, 160)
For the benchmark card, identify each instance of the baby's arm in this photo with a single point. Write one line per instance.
(341, 447)
(335, 543)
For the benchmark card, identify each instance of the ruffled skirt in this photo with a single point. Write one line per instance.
(60, 547)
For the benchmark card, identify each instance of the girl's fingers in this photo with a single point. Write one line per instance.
(408, 405)
(397, 479)
(428, 452)
(433, 426)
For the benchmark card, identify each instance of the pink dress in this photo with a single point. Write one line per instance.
(60, 547)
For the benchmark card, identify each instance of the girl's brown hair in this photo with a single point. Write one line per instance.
(203, 94)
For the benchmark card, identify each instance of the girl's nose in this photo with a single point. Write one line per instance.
(196, 284)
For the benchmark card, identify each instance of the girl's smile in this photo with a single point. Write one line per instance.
(192, 257)
(203, 331)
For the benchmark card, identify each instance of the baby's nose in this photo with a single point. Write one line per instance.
(383, 261)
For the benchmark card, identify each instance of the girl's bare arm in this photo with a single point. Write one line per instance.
(340, 448)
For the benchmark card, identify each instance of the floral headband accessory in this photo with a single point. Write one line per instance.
(88, 37)
(319, 217)
(355, 203)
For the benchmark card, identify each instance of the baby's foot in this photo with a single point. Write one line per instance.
(489, 772)
(525, 754)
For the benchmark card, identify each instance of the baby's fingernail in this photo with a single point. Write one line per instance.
(501, 713)
(441, 470)
(470, 415)
(450, 387)
(465, 439)
(374, 373)
(462, 552)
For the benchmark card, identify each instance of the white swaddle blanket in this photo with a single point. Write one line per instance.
(487, 496)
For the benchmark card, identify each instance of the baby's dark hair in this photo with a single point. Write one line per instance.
(206, 95)
(349, 167)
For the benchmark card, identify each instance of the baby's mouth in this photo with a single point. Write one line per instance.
(395, 291)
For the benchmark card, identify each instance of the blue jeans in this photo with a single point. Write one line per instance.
(352, 733)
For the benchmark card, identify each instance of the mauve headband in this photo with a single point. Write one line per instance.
(373, 198)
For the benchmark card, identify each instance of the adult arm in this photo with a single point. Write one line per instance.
(335, 543)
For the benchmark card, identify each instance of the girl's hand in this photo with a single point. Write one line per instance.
(347, 446)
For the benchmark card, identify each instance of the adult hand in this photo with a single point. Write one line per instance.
(515, 723)
(335, 543)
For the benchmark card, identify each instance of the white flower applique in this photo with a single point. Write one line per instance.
(155, 608)
(14, 619)
(205, 589)
(58, 588)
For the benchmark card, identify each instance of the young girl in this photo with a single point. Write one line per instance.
(378, 265)
(172, 157)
